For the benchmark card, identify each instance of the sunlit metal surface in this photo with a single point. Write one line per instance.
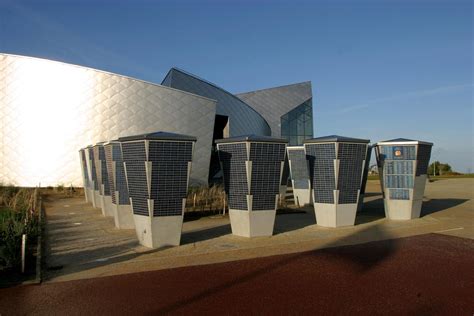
(49, 110)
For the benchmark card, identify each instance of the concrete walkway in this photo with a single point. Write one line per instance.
(81, 243)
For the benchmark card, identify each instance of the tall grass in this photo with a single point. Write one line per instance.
(204, 198)
(17, 217)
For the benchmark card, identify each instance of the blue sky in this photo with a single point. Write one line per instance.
(379, 69)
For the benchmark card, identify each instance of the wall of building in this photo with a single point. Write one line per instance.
(243, 119)
(49, 110)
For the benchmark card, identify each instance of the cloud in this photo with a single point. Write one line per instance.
(407, 95)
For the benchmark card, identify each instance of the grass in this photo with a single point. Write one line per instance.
(17, 217)
(434, 178)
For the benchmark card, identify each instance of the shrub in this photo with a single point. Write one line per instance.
(205, 198)
(17, 217)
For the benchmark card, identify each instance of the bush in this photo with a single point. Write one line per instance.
(17, 217)
(205, 198)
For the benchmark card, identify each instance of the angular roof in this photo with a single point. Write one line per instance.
(158, 136)
(251, 138)
(249, 120)
(272, 103)
(336, 138)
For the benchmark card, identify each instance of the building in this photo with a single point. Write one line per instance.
(65, 107)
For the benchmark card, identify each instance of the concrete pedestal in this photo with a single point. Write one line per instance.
(335, 215)
(157, 232)
(96, 199)
(123, 216)
(406, 209)
(107, 206)
(253, 223)
(302, 196)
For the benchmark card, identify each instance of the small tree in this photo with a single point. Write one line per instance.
(437, 168)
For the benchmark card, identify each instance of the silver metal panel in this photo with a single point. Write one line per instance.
(275, 102)
(243, 119)
(48, 110)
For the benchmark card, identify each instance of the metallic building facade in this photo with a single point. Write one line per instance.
(64, 107)
(61, 107)
(287, 109)
(242, 118)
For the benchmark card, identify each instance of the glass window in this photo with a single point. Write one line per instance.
(297, 124)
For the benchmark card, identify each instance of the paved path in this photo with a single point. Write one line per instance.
(83, 244)
(426, 274)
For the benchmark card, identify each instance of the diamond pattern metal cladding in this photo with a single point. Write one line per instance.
(62, 107)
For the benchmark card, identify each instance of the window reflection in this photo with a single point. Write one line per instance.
(297, 125)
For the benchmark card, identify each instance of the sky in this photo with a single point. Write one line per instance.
(379, 69)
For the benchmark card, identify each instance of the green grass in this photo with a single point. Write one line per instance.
(16, 219)
(453, 176)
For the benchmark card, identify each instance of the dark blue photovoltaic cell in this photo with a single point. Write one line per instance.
(85, 174)
(134, 156)
(266, 169)
(397, 164)
(321, 167)
(351, 157)
(299, 168)
(232, 157)
(423, 159)
(104, 174)
(113, 156)
(92, 168)
(120, 179)
(399, 194)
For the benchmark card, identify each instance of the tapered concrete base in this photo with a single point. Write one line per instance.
(406, 209)
(252, 224)
(86, 195)
(123, 216)
(302, 196)
(161, 231)
(107, 206)
(89, 194)
(335, 215)
(96, 199)
(402, 209)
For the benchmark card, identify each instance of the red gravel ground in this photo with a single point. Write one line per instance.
(428, 274)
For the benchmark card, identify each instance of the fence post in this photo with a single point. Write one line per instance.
(23, 250)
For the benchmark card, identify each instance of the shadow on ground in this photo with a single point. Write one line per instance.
(205, 234)
(350, 256)
(436, 205)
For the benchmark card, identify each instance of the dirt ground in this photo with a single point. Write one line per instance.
(427, 274)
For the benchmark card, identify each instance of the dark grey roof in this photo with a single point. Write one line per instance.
(399, 140)
(158, 136)
(113, 141)
(251, 138)
(403, 140)
(335, 138)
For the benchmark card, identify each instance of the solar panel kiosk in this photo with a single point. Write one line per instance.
(93, 184)
(299, 175)
(403, 168)
(336, 165)
(252, 167)
(157, 168)
(121, 208)
(105, 199)
(85, 174)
